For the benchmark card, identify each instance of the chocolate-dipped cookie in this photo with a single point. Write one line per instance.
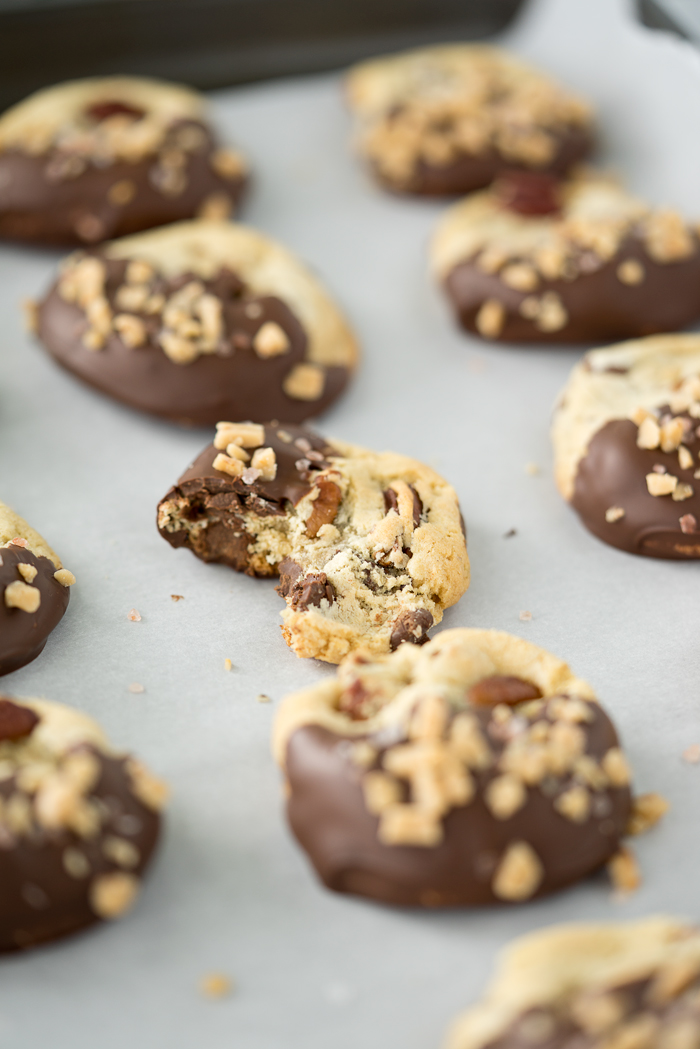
(537, 260)
(626, 437)
(633, 985)
(368, 545)
(33, 591)
(78, 823)
(447, 120)
(92, 159)
(474, 770)
(198, 322)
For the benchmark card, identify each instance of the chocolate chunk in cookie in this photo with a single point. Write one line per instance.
(592, 986)
(93, 159)
(475, 769)
(34, 591)
(626, 440)
(78, 823)
(533, 260)
(447, 120)
(198, 322)
(357, 567)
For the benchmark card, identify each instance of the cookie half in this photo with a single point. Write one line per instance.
(536, 260)
(197, 322)
(474, 770)
(598, 986)
(368, 545)
(78, 823)
(626, 436)
(92, 159)
(447, 120)
(33, 591)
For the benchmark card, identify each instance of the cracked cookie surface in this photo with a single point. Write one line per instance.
(369, 546)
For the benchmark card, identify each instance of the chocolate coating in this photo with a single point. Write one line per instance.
(613, 472)
(598, 304)
(471, 171)
(39, 899)
(23, 634)
(222, 499)
(39, 207)
(327, 813)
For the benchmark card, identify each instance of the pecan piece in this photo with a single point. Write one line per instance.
(502, 688)
(325, 506)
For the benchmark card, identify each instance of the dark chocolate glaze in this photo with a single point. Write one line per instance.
(222, 499)
(327, 814)
(34, 207)
(613, 473)
(233, 383)
(598, 304)
(23, 634)
(39, 900)
(468, 172)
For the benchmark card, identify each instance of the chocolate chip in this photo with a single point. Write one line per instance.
(417, 507)
(311, 590)
(289, 573)
(391, 500)
(16, 722)
(104, 110)
(502, 688)
(325, 507)
(529, 192)
(411, 628)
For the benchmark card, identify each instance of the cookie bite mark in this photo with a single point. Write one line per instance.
(475, 769)
(369, 547)
(199, 322)
(599, 985)
(627, 446)
(533, 259)
(88, 160)
(34, 591)
(78, 824)
(447, 120)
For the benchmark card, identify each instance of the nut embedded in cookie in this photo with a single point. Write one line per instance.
(34, 591)
(368, 546)
(197, 322)
(626, 437)
(475, 769)
(92, 159)
(537, 260)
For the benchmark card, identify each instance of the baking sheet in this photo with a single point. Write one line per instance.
(230, 890)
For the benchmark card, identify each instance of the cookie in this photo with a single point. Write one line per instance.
(93, 159)
(369, 546)
(626, 437)
(537, 260)
(78, 823)
(474, 770)
(33, 591)
(198, 322)
(447, 120)
(592, 986)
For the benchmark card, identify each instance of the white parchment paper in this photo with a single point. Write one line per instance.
(230, 890)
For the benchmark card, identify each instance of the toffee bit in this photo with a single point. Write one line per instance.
(688, 523)
(177, 597)
(134, 616)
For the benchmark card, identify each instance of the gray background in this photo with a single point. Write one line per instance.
(230, 891)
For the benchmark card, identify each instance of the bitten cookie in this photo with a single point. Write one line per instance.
(78, 823)
(33, 591)
(197, 322)
(626, 445)
(447, 120)
(93, 159)
(369, 546)
(474, 770)
(633, 985)
(533, 259)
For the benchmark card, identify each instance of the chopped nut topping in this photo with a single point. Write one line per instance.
(615, 767)
(139, 272)
(271, 340)
(227, 163)
(64, 577)
(233, 467)
(685, 458)
(671, 435)
(305, 382)
(75, 863)
(647, 810)
(667, 237)
(22, 596)
(409, 825)
(649, 433)
(112, 895)
(236, 452)
(519, 873)
(121, 192)
(520, 275)
(120, 851)
(574, 804)
(149, 790)
(248, 435)
(380, 791)
(28, 572)
(630, 272)
(131, 329)
(505, 795)
(490, 319)
(265, 461)
(614, 513)
(624, 871)
(661, 484)
(178, 349)
(216, 207)
(552, 315)
(681, 492)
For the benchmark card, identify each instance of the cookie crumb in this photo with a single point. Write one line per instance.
(647, 810)
(134, 616)
(691, 754)
(614, 513)
(228, 665)
(216, 985)
(532, 469)
(624, 873)
(510, 533)
(525, 617)
(177, 597)
(136, 688)
(262, 698)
